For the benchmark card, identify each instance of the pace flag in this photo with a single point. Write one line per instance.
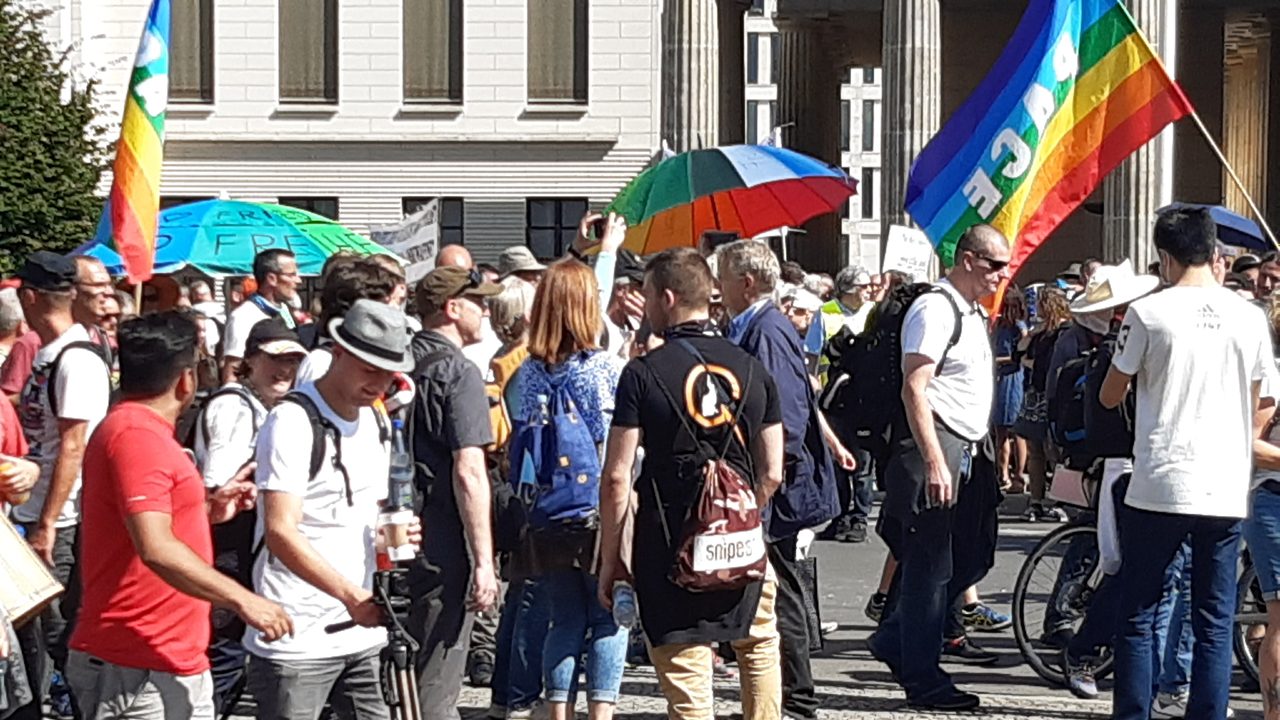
(1077, 90)
(134, 203)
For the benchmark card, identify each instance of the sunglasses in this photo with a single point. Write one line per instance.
(995, 265)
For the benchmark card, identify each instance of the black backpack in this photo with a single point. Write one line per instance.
(863, 396)
(1084, 429)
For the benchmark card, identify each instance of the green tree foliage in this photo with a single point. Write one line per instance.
(52, 145)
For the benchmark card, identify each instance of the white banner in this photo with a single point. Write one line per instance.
(415, 238)
(909, 251)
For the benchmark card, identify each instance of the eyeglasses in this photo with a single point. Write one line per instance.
(992, 263)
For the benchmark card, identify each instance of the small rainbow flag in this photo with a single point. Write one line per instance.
(134, 203)
(1077, 90)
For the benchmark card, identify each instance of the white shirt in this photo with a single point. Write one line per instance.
(342, 534)
(229, 421)
(962, 392)
(1195, 353)
(240, 322)
(83, 389)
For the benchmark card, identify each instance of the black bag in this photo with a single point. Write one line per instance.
(863, 396)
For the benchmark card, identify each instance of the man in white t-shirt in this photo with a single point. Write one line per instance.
(319, 554)
(276, 272)
(1196, 354)
(947, 392)
(62, 402)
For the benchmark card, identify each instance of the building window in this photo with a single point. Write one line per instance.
(867, 191)
(846, 109)
(432, 50)
(757, 7)
(452, 217)
(168, 201)
(868, 125)
(191, 51)
(753, 58)
(558, 51)
(868, 76)
(551, 224)
(775, 58)
(309, 51)
(322, 206)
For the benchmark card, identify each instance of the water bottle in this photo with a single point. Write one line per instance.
(397, 512)
(625, 612)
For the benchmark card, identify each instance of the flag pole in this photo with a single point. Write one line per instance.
(1257, 212)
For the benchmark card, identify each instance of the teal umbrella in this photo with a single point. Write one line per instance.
(221, 237)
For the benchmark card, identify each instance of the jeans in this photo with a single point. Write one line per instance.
(799, 695)
(522, 631)
(910, 638)
(106, 691)
(1149, 541)
(685, 671)
(44, 638)
(575, 608)
(1173, 627)
(299, 689)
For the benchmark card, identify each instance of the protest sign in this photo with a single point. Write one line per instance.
(415, 238)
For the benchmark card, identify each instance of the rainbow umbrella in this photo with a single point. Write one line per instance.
(748, 189)
(221, 237)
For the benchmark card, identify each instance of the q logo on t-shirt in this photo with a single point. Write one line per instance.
(704, 395)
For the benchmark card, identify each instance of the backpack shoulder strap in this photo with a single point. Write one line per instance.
(51, 388)
(320, 429)
(224, 391)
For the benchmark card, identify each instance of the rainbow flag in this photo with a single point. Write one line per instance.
(134, 203)
(1077, 90)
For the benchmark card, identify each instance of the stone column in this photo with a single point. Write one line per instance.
(733, 79)
(912, 98)
(690, 74)
(809, 100)
(1133, 191)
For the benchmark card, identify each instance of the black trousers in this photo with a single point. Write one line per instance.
(799, 696)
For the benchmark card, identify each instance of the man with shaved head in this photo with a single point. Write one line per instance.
(947, 391)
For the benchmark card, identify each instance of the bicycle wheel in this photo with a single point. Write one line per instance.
(1251, 621)
(1053, 591)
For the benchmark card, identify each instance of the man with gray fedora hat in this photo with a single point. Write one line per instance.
(319, 522)
(454, 576)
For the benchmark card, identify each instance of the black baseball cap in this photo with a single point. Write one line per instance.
(48, 271)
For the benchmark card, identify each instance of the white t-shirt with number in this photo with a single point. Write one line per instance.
(963, 390)
(1195, 353)
(341, 532)
(83, 390)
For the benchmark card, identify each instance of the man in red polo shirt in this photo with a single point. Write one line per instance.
(140, 643)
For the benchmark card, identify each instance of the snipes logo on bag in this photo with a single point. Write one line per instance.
(726, 551)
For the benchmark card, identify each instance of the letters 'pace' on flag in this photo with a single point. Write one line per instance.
(134, 203)
(1076, 91)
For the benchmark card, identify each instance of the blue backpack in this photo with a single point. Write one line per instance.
(555, 467)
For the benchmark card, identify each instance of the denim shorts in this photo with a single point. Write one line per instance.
(1262, 535)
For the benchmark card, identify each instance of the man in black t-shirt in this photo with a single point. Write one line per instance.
(683, 626)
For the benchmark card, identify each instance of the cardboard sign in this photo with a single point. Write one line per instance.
(908, 251)
(415, 238)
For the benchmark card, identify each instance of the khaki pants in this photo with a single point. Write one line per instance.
(685, 671)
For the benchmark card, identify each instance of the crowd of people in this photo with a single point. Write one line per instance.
(603, 449)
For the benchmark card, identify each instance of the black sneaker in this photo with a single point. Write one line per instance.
(964, 651)
(954, 701)
(857, 533)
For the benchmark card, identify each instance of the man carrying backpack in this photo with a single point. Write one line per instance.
(947, 394)
(454, 576)
(63, 401)
(808, 496)
(709, 418)
(323, 459)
